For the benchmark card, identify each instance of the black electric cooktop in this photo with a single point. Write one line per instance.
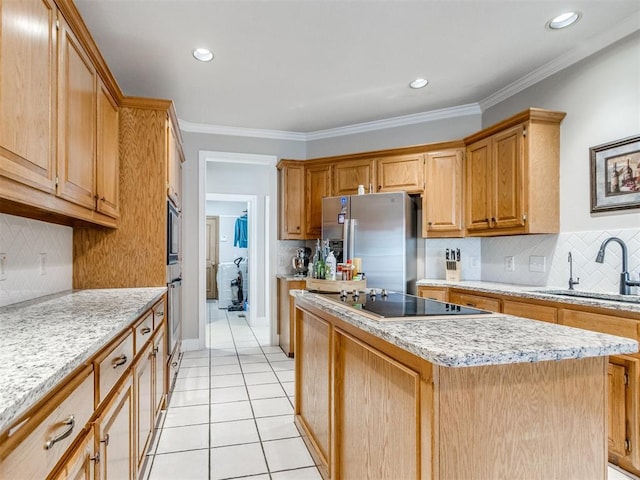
(391, 305)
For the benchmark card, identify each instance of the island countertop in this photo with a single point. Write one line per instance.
(45, 339)
(465, 342)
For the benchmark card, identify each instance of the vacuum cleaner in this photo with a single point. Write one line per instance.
(237, 297)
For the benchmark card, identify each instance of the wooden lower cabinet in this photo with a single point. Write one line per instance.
(286, 308)
(115, 434)
(439, 294)
(144, 388)
(530, 310)
(377, 413)
(475, 301)
(80, 465)
(313, 385)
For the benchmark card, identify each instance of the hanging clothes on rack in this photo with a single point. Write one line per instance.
(240, 236)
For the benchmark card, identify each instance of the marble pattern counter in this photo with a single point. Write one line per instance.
(43, 340)
(466, 342)
(536, 293)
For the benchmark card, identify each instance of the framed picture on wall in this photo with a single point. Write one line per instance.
(615, 175)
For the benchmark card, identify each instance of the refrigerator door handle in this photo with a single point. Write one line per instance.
(352, 239)
(345, 239)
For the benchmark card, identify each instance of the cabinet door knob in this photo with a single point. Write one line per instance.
(429, 223)
(145, 330)
(121, 360)
(105, 440)
(95, 458)
(70, 422)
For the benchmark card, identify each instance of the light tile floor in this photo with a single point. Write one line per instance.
(231, 413)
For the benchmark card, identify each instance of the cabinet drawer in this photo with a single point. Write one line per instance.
(475, 301)
(530, 310)
(143, 331)
(596, 322)
(41, 450)
(158, 313)
(439, 294)
(111, 366)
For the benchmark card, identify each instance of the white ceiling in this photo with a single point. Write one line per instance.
(312, 65)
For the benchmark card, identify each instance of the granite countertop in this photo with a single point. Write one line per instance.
(291, 276)
(467, 342)
(609, 301)
(43, 340)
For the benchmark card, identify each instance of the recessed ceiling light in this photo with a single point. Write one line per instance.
(419, 83)
(563, 21)
(203, 54)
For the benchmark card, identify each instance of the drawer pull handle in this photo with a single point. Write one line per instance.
(121, 360)
(71, 422)
(155, 350)
(471, 304)
(95, 458)
(145, 330)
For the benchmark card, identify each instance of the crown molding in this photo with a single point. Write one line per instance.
(593, 45)
(458, 111)
(433, 115)
(192, 127)
(233, 157)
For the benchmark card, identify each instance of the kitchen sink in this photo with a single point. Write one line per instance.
(613, 297)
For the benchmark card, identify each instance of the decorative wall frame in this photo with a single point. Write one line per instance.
(615, 175)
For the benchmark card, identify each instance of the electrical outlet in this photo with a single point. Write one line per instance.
(43, 263)
(509, 264)
(3, 267)
(537, 263)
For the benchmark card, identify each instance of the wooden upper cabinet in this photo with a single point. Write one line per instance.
(317, 186)
(76, 121)
(400, 173)
(28, 68)
(442, 199)
(174, 165)
(347, 175)
(107, 157)
(512, 176)
(292, 197)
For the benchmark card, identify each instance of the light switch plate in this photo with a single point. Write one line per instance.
(509, 264)
(3, 271)
(537, 263)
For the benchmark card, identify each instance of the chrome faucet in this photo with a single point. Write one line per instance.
(572, 282)
(625, 282)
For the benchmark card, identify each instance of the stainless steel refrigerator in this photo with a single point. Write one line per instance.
(379, 228)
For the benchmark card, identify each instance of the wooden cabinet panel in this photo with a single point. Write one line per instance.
(597, 322)
(508, 166)
(143, 330)
(160, 370)
(286, 313)
(144, 388)
(624, 412)
(115, 435)
(41, 450)
(442, 199)
(347, 175)
(475, 301)
(80, 465)
(318, 186)
(530, 310)
(439, 294)
(313, 377)
(479, 187)
(174, 165)
(107, 155)
(400, 173)
(292, 198)
(76, 121)
(28, 86)
(376, 402)
(112, 364)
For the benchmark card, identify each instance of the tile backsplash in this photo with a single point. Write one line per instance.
(553, 250)
(37, 259)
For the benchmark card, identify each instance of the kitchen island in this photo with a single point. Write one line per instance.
(456, 398)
